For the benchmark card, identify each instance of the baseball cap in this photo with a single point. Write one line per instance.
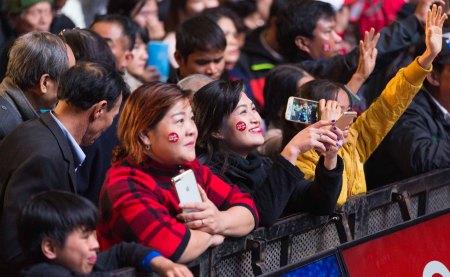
(18, 6)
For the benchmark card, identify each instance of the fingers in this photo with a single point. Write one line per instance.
(202, 193)
(322, 105)
(374, 54)
(320, 124)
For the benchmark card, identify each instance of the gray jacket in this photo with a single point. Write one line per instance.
(14, 107)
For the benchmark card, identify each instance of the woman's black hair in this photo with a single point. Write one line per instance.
(280, 84)
(88, 46)
(215, 14)
(53, 215)
(212, 104)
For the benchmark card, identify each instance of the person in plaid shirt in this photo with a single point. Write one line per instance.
(139, 203)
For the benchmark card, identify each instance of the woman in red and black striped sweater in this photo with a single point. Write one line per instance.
(139, 203)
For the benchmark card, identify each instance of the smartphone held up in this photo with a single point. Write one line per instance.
(302, 110)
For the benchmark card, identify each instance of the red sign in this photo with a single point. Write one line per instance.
(419, 250)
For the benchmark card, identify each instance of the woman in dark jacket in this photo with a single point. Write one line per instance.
(229, 133)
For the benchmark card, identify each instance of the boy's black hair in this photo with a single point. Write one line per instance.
(53, 215)
(199, 33)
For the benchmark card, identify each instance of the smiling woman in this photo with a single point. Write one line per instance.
(230, 132)
(139, 202)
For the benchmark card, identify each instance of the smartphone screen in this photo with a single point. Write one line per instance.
(302, 110)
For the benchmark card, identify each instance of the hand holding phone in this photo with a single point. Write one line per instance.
(187, 189)
(345, 120)
(302, 110)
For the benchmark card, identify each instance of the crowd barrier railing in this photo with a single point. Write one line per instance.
(302, 236)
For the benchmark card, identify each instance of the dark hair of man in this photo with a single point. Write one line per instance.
(199, 33)
(123, 21)
(35, 54)
(215, 14)
(88, 83)
(88, 46)
(281, 83)
(52, 215)
(313, 90)
(299, 18)
(212, 104)
(125, 7)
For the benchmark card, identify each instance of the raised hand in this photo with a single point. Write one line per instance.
(433, 36)
(367, 58)
(329, 110)
(433, 28)
(368, 53)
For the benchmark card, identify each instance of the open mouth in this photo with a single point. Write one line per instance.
(256, 130)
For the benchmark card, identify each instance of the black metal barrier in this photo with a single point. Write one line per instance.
(302, 236)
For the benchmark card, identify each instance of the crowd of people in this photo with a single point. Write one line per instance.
(108, 132)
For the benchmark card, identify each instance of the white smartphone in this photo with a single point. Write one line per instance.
(302, 110)
(345, 119)
(187, 189)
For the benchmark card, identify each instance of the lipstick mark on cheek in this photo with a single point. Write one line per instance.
(173, 137)
(241, 126)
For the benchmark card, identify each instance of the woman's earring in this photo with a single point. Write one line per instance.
(147, 147)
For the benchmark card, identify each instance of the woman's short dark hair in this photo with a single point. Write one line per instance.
(212, 104)
(88, 46)
(88, 83)
(199, 33)
(281, 83)
(215, 14)
(53, 215)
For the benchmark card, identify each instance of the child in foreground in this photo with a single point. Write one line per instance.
(57, 235)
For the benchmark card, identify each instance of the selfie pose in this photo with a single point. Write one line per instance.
(139, 202)
(230, 131)
(369, 129)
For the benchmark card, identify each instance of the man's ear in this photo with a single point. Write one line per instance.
(434, 78)
(99, 109)
(302, 43)
(48, 248)
(179, 58)
(43, 83)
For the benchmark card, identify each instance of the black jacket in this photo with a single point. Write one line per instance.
(279, 187)
(119, 256)
(34, 157)
(418, 142)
